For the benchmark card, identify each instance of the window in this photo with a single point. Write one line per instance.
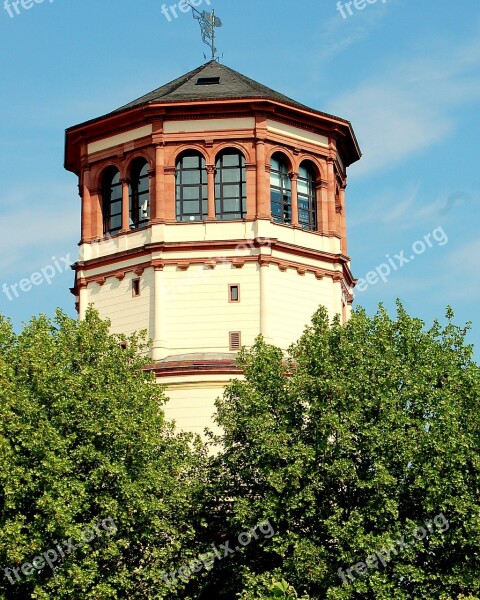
(111, 201)
(280, 190)
(230, 186)
(208, 81)
(139, 210)
(135, 287)
(235, 340)
(234, 293)
(307, 197)
(191, 188)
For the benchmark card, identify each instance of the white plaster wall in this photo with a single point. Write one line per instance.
(197, 316)
(293, 299)
(114, 300)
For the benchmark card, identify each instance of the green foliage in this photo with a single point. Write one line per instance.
(273, 591)
(83, 438)
(361, 434)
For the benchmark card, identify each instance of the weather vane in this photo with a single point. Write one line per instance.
(208, 23)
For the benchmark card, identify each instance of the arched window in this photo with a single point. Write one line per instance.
(139, 211)
(191, 183)
(307, 197)
(112, 201)
(280, 190)
(230, 186)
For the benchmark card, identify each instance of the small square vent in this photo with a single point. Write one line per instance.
(235, 340)
(208, 81)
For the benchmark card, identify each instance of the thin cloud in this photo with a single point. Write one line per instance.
(411, 107)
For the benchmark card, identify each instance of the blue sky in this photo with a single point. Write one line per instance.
(406, 74)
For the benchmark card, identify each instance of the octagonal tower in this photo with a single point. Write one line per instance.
(213, 210)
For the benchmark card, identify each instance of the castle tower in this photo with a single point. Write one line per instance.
(213, 210)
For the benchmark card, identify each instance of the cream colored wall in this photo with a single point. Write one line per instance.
(293, 299)
(114, 300)
(122, 138)
(196, 232)
(192, 401)
(196, 312)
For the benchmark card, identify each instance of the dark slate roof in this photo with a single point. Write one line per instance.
(232, 86)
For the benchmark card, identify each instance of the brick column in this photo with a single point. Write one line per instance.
(263, 198)
(211, 192)
(170, 195)
(86, 206)
(125, 206)
(332, 217)
(343, 221)
(157, 210)
(294, 178)
(96, 199)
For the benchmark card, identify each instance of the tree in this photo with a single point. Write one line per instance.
(98, 492)
(362, 449)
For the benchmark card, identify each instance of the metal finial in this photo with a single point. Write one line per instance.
(208, 23)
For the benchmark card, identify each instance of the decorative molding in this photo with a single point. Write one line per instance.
(183, 265)
(158, 265)
(238, 263)
(195, 367)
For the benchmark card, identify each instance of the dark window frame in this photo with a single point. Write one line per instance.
(182, 185)
(281, 210)
(136, 287)
(231, 287)
(112, 194)
(309, 199)
(223, 182)
(139, 218)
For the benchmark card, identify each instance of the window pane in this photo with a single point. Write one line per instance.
(189, 193)
(231, 175)
(274, 163)
(277, 210)
(231, 160)
(189, 177)
(143, 185)
(303, 203)
(190, 206)
(116, 222)
(276, 196)
(275, 179)
(303, 187)
(231, 205)
(191, 162)
(231, 191)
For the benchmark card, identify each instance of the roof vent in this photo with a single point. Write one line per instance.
(208, 81)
